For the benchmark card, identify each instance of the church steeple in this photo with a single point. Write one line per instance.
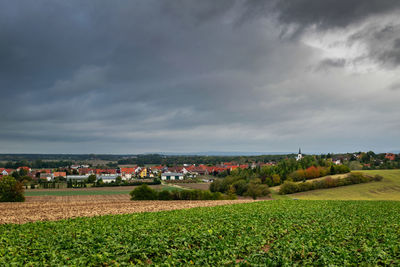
(299, 156)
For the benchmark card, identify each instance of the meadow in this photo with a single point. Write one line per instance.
(275, 233)
(387, 189)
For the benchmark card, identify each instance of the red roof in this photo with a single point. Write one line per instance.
(160, 167)
(127, 170)
(390, 156)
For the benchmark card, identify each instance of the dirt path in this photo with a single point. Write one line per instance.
(50, 208)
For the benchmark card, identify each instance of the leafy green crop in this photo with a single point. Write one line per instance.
(284, 232)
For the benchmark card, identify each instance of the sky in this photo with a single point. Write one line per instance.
(185, 76)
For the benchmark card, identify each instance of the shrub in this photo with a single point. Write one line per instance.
(288, 188)
(255, 190)
(143, 192)
(165, 195)
(11, 190)
(353, 178)
(240, 187)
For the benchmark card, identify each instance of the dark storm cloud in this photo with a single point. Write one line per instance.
(142, 76)
(331, 13)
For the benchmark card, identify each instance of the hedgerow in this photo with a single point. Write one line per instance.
(289, 187)
(144, 192)
(269, 233)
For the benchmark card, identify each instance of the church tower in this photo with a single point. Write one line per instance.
(299, 156)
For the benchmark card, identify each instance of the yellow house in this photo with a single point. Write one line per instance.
(143, 173)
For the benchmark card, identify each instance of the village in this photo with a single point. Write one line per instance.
(82, 173)
(127, 174)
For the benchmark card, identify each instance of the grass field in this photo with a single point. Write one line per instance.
(274, 233)
(387, 189)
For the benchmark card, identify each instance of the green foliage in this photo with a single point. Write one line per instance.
(268, 233)
(144, 192)
(353, 178)
(92, 178)
(11, 190)
(242, 182)
(256, 189)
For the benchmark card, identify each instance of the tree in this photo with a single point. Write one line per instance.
(118, 180)
(256, 189)
(92, 178)
(276, 179)
(11, 190)
(143, 192)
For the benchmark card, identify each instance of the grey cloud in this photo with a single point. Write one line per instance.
(145, 76)
(394, 86)
(328, 63)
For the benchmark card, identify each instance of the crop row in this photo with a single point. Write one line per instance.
(268, 233)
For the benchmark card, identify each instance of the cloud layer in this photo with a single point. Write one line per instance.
(185, 76)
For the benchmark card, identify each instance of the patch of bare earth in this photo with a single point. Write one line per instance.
(51, 208)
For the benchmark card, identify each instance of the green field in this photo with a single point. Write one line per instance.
(387, 189)
(281, 232)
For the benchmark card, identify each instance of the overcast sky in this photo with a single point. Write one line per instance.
(192, 76)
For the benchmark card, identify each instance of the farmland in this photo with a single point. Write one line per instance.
(87, 191)
(268, 232)
(49, 208)
(387, 189)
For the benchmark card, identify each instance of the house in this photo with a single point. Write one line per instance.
(108, 178)
(59, 174)
(390, 156)
(27, 169)
(5, 172)
(46, 176)
(166, 176)
(143, 173)
(126, 173)
(83, 171)
(79, 178)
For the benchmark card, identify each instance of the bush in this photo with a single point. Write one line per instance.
(143, 192)
(288, 188)
(255, 190)
(11, 190)
(353, 178)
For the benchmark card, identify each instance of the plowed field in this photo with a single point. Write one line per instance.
(51, 208)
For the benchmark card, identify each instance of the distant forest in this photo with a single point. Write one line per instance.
(358, 160)
(61, 160)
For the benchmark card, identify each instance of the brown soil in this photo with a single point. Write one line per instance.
(51, 208)
(106, 188)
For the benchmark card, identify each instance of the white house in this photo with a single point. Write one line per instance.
(48, 176)
(171, 176)
(108, 178)
(4, 172)
(79, 178)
